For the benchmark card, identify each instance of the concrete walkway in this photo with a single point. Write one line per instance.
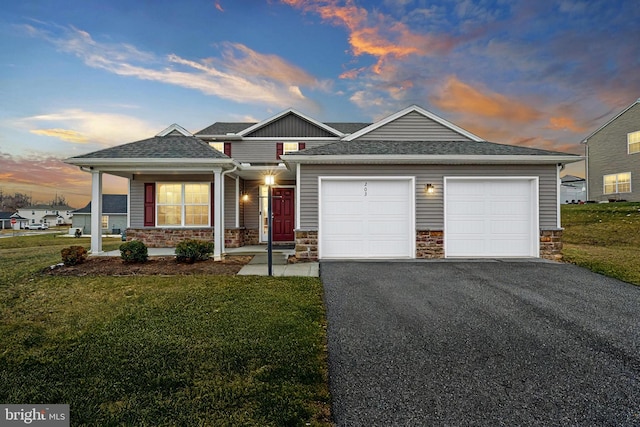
(257, 266)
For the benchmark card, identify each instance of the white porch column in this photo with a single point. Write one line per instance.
(218, 204)
(96, 212)
(237, 201)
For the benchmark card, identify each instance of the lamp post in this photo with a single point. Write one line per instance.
(269, 180)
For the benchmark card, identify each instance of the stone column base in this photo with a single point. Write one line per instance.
(429, 244)
(551, 244)
(306, 245)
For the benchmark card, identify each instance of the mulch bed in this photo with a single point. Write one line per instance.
(155, 266)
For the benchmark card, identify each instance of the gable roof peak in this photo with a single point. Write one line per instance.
(585, 140)
(413, 109)
(177, 128)
(284, 113)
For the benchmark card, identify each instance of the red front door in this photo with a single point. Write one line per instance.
(283, 214)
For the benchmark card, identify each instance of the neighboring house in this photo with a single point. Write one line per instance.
(411, 185)
(573, 189)
(47, 214)
(613, 158)
(113, 219)
(5, 221)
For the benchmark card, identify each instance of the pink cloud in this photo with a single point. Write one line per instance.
(375, 34)
(457, 96)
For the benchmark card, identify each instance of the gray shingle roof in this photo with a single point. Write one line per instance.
(223, 128)
(347, 127)
(473, 148)
(164, 147)
(111, 204)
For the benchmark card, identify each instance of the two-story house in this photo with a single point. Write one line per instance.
(412, 185)
(47, 214)
(613, 158)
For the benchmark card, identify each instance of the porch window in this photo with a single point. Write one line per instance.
(617, 183)
(183, 204)
(218, 146)
(633, 142)
(105, 222)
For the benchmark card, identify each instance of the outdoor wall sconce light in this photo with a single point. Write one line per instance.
(429, 189)
(245, 197)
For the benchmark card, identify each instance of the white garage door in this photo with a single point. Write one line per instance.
(491, 217)
(366, 218)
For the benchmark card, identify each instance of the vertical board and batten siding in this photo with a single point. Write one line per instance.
(413, 127)
(608, 154)
(290, 126)
(429, 209)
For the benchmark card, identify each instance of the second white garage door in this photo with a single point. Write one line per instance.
(487, 217)
(366, 218)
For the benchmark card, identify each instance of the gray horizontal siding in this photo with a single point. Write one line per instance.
(414, 127)
(429, 210)
(230, 201)
(136, 203)
(290, 126)
(608, 155)
(256, 151)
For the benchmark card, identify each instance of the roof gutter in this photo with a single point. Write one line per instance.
(82, 162)
(432, 159)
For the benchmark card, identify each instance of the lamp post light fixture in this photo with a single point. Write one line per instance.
(269, 180)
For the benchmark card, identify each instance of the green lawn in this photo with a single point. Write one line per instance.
(604, 238)
(184, 350)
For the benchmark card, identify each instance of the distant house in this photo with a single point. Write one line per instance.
(47, 214)
(573, 189)
(613, 158)
(5, 221)
(114, 215)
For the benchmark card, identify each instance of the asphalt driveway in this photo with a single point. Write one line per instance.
(481, 343)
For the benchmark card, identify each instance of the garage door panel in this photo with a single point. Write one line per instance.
(466, 225)
(466, 206)
(497, 221)
(366, 218)
(510, 227)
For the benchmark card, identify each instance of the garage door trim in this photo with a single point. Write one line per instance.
(534, 247)
(412, 205)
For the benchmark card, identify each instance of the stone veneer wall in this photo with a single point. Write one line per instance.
(551, 244)
(306, 245)
(168, 237)
(429, 244)
(251, 236)
(233, 237)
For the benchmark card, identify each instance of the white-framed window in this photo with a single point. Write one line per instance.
(289, 147)
(633, 142)
(105, 222)
(617, 183)
(182, 204)
(218, 146)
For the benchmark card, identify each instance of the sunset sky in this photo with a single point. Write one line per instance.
(79, 76)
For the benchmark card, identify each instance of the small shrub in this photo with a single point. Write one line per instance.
(134, 251)
(193, 250)
(73, 255)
